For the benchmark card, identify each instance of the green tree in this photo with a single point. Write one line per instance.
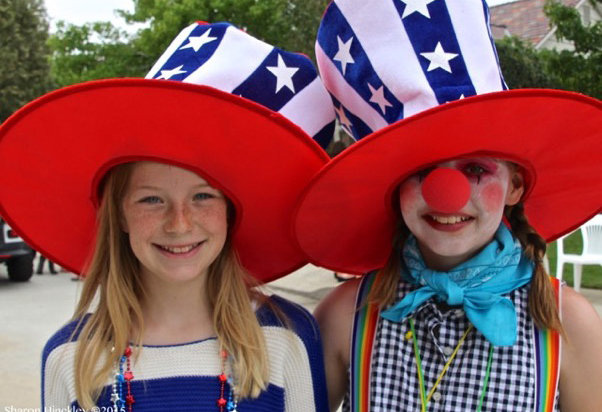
(578, 69)
(522, 65)
(25, 72)
(291, 25)
(99, 50)
(93, 51)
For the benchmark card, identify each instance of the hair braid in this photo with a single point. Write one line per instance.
(384, 291)
(542, 302)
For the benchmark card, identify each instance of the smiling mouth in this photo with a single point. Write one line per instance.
(179, 250)
(448, 220)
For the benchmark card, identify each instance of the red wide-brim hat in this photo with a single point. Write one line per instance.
(345, 219)
(56, 150)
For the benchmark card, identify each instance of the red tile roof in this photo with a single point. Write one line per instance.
(522, 18)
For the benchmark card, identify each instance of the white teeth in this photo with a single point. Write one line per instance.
(179, 250)
(449, 220)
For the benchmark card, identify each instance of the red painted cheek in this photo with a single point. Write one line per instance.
(409, 193)
(492, 196)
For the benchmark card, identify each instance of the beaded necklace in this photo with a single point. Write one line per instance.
(424, 398)
(226, 402)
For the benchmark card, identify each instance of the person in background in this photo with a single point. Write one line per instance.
(40, 268)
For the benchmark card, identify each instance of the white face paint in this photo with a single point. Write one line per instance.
(448, 239)
(176, 222)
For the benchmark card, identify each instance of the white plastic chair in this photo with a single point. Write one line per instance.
(591, 231)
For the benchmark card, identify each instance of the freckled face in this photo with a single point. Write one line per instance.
(448, 239)
(176, 222)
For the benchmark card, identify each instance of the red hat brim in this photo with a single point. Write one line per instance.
(345, 219)
(55, 150)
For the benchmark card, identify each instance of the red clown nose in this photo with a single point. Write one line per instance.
(446, 190)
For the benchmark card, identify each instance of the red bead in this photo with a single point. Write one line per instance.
(223, 377)
(128, 376)
(128, 351)
(221, 402)
(224, 354)
(129, 399)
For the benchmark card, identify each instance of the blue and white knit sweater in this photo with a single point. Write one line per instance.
(185, 377)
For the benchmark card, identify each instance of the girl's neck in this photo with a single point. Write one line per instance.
(175, 313)
(445, 263)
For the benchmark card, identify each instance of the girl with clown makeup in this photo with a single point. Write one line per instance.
(445, 205)
(162, 193)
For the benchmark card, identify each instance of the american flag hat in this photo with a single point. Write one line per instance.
(235, 110)
(418, 82)
(222, 56)
(384, 61)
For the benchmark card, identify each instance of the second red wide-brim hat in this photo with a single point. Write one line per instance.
(345, 219)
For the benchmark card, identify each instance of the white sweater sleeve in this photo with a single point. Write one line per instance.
(58, 383)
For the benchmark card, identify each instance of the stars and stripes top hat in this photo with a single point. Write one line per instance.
(221, 109)
(222, 56)
(418, 81)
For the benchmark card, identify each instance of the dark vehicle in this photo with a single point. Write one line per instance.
(16, 254)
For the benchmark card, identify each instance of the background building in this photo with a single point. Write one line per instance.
(525, 19)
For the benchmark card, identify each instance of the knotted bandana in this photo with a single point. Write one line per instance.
(477, 284)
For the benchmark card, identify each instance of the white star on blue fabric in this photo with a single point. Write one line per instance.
(343, 120)
(344, 53)
(284, 75)
(168, 74)
(378, 97)
(420, 6)
(196, 42)
(439, 59)
(459, 98)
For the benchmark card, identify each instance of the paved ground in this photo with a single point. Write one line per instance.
(30, 312)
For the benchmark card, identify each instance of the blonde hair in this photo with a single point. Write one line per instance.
(113, 275)
(542, 302)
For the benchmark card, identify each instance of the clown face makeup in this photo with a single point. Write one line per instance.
(448, 238)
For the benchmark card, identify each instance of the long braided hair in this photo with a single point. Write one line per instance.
(542, 302)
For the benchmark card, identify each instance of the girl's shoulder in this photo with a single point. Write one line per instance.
(581, 363)
(279, 312)
(581, 323)
(58, 382)
(577, 312)
(67, 334)
(339, 306)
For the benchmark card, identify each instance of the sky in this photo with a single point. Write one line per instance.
(83, 11)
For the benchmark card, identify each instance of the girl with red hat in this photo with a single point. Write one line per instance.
(447, 206)
(164, 196)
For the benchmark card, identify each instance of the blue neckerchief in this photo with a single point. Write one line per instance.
(477, 284)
